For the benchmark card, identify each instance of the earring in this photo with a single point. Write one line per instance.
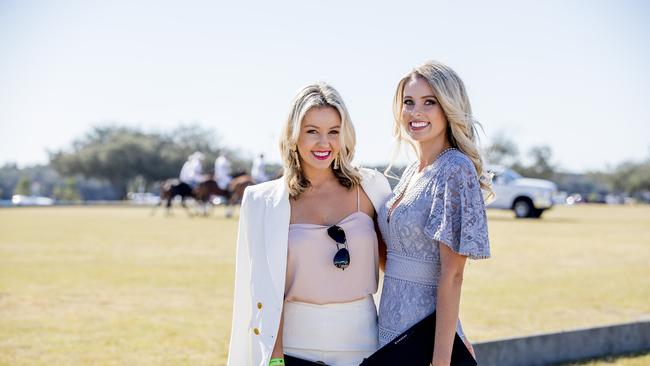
(336, 162)
(295, 155)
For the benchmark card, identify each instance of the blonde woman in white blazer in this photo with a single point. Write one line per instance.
(307, 251)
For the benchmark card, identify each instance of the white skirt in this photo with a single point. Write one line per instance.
(337, 334)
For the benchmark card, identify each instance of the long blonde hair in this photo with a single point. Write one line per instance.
(450, 92)
(317, 95)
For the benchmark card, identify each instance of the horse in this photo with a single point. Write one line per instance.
(207, 189)
(171, 188)
(233, 194)
(204, 192)
(238, 185)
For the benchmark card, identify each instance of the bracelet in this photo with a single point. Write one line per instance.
(276, 361)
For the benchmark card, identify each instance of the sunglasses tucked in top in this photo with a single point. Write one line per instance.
(342, 256)
(313, 277)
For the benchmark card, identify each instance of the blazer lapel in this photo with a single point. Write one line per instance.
(276, 226)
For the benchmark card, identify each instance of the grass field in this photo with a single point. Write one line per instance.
(114, 286)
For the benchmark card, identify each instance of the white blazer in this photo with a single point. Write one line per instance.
(261, 265)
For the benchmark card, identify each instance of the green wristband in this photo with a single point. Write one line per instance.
(276, 362)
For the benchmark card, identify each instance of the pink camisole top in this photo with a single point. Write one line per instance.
(311, 274)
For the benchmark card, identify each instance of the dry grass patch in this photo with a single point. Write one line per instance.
(114, 286)
(577, 267)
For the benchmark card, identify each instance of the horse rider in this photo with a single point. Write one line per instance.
(192, 170)
(257, 171)
(222, 172)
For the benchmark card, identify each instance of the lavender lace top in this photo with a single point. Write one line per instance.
(444, 204)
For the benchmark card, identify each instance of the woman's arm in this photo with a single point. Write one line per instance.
(448, 304)
(381, 249)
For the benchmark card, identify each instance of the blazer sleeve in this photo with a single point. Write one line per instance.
(239, 351)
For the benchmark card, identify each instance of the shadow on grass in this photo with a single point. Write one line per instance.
(610, 359)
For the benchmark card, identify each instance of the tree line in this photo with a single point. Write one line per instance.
(111, 160)
(630, 178)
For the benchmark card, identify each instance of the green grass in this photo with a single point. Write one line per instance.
(114, 286)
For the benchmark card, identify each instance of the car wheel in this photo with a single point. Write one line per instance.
(523, 208)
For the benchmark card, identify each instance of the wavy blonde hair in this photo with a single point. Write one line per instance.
(317, 95)
(449, 90)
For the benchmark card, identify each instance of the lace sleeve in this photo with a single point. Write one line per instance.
(457, 217)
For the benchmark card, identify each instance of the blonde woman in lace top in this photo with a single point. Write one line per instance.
(435, 218)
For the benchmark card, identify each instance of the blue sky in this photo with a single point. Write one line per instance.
(569, 74)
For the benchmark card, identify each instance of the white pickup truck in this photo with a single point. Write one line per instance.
(527, 197)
